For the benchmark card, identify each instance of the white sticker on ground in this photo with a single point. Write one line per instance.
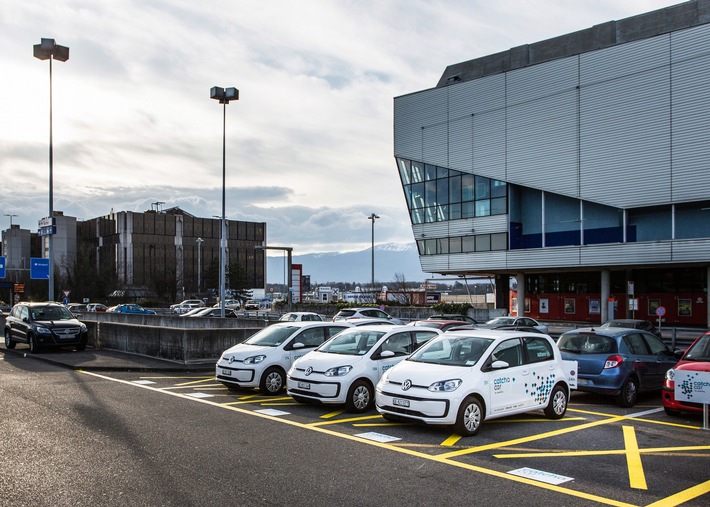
(647, 412)
(540, 475)
(377, 437)
(143, 382)
(199, 395)
(272, 411)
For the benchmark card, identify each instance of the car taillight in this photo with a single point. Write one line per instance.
(613, 361)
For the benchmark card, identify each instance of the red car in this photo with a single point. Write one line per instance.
(696, 358)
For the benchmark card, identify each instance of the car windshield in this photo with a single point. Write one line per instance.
(700, 350)
(346, 313)
(271, 336)
(587, 343)
(502, 321)
(51, 313)
(353, 342)
(620, 323)
(452, 350)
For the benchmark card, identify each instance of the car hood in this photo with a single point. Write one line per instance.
(425, 374)
(242, 351)
(321, 361)
(693, 366)
(58, 324)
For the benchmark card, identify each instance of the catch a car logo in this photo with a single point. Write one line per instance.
(499, 382)
(691, 387)
(541, 389)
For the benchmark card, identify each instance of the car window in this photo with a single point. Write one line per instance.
(271, 336)
(24, 312)
(655, 345)
(586, 343)
(451, 350)
(310, 337)
(537, 350)
(421, 337)
(508, 351)
(331, 331)
(700, 350)
(352, 342)
(400, 344)
(635, 344)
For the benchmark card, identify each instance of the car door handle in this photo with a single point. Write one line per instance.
(524, 372)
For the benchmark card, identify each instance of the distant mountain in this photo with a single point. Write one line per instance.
(390, 258)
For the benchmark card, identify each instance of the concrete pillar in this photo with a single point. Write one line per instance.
(606, 294)
(521, 294)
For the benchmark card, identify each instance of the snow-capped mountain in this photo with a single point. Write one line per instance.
(390, 258)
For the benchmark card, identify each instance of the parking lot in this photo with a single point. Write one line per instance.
(598, 452)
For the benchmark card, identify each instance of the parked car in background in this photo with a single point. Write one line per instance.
(232, 304)
(365, 313)
(454, 316)
(44, 324)
(96, 307)
(619, 362)
(345, 369)
(258, 305)
(186, 305)
(369, 322)
(263, 360)
(443, 325)
(5, 307)
(463, 378)
(76, 308)
(300, 316)
(695, 359)
(130, 308)
(514, 321)
(211, 312)
(644, 325)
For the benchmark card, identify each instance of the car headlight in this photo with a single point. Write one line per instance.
(43, 330)
(338, 371)
(83, 328)
(254, 359)
(445, 385)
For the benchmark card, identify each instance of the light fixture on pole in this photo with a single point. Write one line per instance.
(224, 95)
(199, 265)
(47, 49)
(373, 217)
(10, 215)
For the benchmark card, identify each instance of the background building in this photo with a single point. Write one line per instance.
(579, 165)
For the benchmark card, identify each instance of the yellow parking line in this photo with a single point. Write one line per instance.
(208, 379)
(637, 479)
(451, 441)
(332, 414)
(683, 496)
(670, 451)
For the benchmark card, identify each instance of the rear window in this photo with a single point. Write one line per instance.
(586, 343)
(346, 313)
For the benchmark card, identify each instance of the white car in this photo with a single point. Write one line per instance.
(300, 316)
(345, 369)
(365, 313)
(512, 322)
(232, 304)
(263, 360)
(466, 377)
(186, 305)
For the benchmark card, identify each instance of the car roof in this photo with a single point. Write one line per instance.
(307, 323)
(493, 333)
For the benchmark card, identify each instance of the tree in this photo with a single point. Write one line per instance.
(400, 291)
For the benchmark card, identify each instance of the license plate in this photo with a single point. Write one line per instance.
(304, 385)
(227, 372)
(400, 402)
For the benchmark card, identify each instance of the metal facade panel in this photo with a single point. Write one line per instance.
(478, 261)
(691, 114)
(411, 114)
(434, 263)
(543, 258)
(691, 251)
(625, 124)
(481, 225)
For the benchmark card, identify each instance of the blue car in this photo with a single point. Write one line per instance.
(131, 308)
(618, 362)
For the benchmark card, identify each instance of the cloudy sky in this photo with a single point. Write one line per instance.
(309, 143)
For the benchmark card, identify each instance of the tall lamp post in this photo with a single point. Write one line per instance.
(11, 216)
(199, 265)
(373, 217)
(47, 49)
(224, 95)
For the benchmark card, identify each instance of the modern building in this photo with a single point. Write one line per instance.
(170, 251)
(578, 167)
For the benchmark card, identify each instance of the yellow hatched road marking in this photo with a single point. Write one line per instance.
(670, 451)
(683, 496)
(202, 381)
(339, 421)
(332, 414)
(637, 479)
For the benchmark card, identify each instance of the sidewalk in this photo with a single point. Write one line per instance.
(93, 359)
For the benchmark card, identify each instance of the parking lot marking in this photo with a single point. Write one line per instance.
(637, 479)
(683, 496)
(661, 451)
(332, 414)
(201, 381)
(451, 441)
(339, 421)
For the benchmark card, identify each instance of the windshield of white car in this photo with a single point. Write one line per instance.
(700, 351)
(501, 321)
(587, 343)
(353, 342)
(271, 336)
(452, 350)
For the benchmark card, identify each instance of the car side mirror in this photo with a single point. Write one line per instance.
(297, 345)
(678, 353)
(499, 365)
(387, 353)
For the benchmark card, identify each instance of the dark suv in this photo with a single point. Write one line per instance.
(44, 324)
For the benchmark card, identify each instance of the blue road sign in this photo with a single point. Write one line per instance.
(39, 268)
(3, 271)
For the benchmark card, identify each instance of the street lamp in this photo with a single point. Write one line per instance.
(199, 265)
(47, 49)
(9, 215)
(373, 217)
(224, 95)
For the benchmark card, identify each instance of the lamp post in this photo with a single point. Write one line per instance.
(289, 264)
(47, 49)
(10, 215)
(373, 217)
(199, 265)
(224, 95)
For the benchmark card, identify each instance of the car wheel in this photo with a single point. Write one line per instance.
(360, 397)
(32, 342)
(9, 343)
(469, 418)
(272, 381)
(629, 393)
(671, 412)
(81, 346)
(557, 405)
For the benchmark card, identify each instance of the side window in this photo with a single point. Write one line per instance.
(24, 312)
(421, 337)
(310, 337)
(635, 344)
(400, 344)
(655, 345)
(537, 350)
(508, 351)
